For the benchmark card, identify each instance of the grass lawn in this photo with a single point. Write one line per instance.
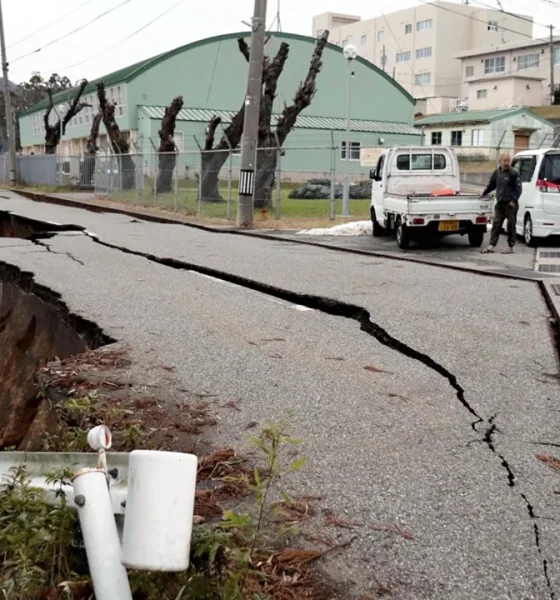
(309, 212)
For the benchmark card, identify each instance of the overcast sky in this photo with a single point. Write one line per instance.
(188, 21)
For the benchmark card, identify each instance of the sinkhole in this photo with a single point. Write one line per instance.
(36, 326)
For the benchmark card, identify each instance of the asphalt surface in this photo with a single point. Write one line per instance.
(393, 447)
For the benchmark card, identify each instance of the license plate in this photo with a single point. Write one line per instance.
(448, 226)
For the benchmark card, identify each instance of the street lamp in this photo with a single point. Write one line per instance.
(350, 53)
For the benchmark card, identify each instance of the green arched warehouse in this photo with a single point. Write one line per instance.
(211, 75)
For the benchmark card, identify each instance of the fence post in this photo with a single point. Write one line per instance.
(137, 178)
(230, 174)
(499, 147)
(333, 176)
(200, 151)
(278, 178)
(176, 181)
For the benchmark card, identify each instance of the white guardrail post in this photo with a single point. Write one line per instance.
(155, 490)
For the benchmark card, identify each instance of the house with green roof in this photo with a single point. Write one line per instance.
(483, 134)
(211, 75)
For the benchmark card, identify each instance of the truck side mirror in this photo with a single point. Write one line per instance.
(373, 174)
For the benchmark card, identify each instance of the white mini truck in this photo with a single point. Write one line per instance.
(416, 195)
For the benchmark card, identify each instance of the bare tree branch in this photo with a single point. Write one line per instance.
(75, 107)
(305, 92)
(244, 48)
(211, 132)
(167, 130)
(91, 146)
(119, 144)
(271, 75)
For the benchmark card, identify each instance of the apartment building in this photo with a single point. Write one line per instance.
(514, 74)
(418, 46)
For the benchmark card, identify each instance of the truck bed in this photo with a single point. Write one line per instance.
(452, 206)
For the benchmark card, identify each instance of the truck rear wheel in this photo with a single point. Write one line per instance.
(476, 236)
(403, 235)
(377, 230)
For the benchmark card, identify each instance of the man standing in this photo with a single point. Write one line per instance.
(505, 180)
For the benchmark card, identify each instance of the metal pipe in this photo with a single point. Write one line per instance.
(346, 190)
(101, 538)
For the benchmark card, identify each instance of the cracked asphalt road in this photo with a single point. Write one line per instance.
(393, 447)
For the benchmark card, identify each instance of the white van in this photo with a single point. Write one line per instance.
(539, 204)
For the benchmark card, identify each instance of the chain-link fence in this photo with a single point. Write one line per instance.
(205, 183)
(302, 181)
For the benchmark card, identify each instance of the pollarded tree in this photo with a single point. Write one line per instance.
(92, 149)
(215, 156)
(167, 157)
(54, 132)
(270, 136)
(119, 143)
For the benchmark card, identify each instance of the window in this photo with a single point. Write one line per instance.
(403, 56)
(408, 28)
(557, 56)
(550, 168)
(493, 25)
(525, 167)
(363, 40)
(423, 79)
(456, 138)
(527, 61)
(354, 151)
(423, 25)
(424, 52)
(179, 140)
(344, 43)
(380, 35)
(436, 138)
(495, 65)
(477, 137)
(480, 94)
(420, 162)
(469, 71)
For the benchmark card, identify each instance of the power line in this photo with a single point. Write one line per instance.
(165, 12)
(474, 18)
(56, 21)
(505, 12)
(62, 37)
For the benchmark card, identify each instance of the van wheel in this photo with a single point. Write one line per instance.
(528, 232)
(476, 236)
(377, 230)
(403, 235)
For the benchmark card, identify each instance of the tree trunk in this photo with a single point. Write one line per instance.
(212, 162)
(88, 170)
(166, 168)
(119, 143)
(167, 158)
(265, 177)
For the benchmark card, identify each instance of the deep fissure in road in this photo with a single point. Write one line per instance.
(339, 308)
(322, 304)
(35, 327)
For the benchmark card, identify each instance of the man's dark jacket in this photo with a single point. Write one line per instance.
(506, 183)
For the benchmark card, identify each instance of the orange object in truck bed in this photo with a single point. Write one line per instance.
(448, 192)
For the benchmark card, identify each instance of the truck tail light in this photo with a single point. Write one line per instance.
(481, 220)
(418, 221)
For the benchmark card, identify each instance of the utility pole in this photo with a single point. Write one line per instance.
(551, 64)
(8, 110)
(384, 59)
(252, 114)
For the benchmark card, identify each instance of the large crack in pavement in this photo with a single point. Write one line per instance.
(362, 316)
